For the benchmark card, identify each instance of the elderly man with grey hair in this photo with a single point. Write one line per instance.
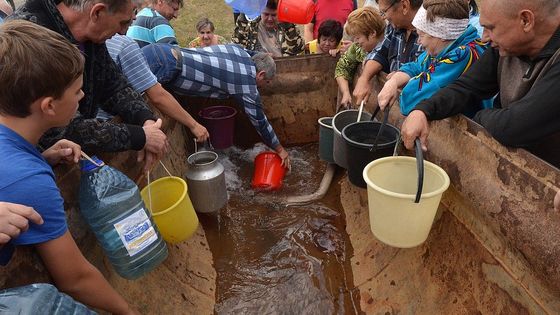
(522, 65)
(219, 71)
(88, 24)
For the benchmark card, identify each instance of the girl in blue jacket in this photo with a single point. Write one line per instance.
(451, 47)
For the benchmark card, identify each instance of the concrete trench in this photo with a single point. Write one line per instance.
(494, 247)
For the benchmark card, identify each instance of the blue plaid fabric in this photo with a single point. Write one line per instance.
(218, 71)
(395, 50)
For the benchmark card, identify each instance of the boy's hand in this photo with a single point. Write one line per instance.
(63, 151)
(14, 219)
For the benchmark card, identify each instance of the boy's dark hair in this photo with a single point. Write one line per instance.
(35, 62)
(330, 28)
(272, 4)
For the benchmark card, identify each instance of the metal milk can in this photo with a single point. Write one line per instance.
(206, 182)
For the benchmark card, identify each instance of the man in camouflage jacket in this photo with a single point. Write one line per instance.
(246, 32)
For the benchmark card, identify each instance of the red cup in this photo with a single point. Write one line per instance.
(269, 171)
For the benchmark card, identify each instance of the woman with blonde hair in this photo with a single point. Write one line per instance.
(451, 46)
(366, 27)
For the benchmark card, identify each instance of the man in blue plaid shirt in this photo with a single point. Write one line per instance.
(219, 71)
(399, 46)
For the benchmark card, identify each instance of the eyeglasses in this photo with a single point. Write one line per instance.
(384, 12)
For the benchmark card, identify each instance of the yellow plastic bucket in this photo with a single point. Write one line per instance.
(171, 208)
(392, 183)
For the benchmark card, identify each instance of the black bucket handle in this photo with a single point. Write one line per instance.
(385, 118)
(420, 168)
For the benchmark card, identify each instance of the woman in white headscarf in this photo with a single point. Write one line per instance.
(451, 46)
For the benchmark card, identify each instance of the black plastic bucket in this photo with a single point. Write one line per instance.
(358, 140)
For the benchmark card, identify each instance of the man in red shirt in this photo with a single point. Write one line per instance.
(328, 9)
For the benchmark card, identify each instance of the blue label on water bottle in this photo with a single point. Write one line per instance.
(136, 232)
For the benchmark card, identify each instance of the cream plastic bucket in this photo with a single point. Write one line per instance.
(392, 183)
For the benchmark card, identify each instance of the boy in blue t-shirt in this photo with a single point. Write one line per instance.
(38, 96)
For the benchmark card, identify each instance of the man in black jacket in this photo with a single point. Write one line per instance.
(523, 66)
(88, 23)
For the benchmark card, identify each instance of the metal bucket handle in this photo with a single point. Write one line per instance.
(209, 145)
(150, 188)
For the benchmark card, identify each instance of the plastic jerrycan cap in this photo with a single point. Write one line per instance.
(86, 165)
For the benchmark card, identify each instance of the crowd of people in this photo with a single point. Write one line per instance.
(442, 58)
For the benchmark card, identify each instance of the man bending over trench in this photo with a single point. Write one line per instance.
(219, 71)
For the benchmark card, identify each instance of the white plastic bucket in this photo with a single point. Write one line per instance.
(392, 184)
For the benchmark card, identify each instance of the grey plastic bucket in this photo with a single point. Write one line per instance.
(341, 120)
(326, 139)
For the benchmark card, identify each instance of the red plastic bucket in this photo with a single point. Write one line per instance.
(269, 171)
(296, 11)
(220, 122)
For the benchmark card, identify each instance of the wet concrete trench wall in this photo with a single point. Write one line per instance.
(273, 259)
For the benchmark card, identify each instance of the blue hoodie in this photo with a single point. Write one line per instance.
(429, 74)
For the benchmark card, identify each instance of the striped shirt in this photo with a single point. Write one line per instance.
(219, 71)
(129, 58)
(151, 27)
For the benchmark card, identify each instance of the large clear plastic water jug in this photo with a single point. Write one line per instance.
(40, 298)
(111, 205)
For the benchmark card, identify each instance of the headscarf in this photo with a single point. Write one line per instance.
(444, 28)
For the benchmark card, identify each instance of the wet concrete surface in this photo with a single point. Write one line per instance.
(273, 259)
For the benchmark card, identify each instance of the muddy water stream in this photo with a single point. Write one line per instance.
(273, 259)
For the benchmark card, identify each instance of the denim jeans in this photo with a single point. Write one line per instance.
(162, 62)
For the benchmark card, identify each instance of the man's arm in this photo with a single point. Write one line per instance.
(165, 102)
(117, 96)
(362, 88)
(529, 119)
(478, 83)
(375, 62)
(253, 108)
(74, 275)
(308, 32)
(96, 136)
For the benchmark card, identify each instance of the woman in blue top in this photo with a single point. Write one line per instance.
(451, 46)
